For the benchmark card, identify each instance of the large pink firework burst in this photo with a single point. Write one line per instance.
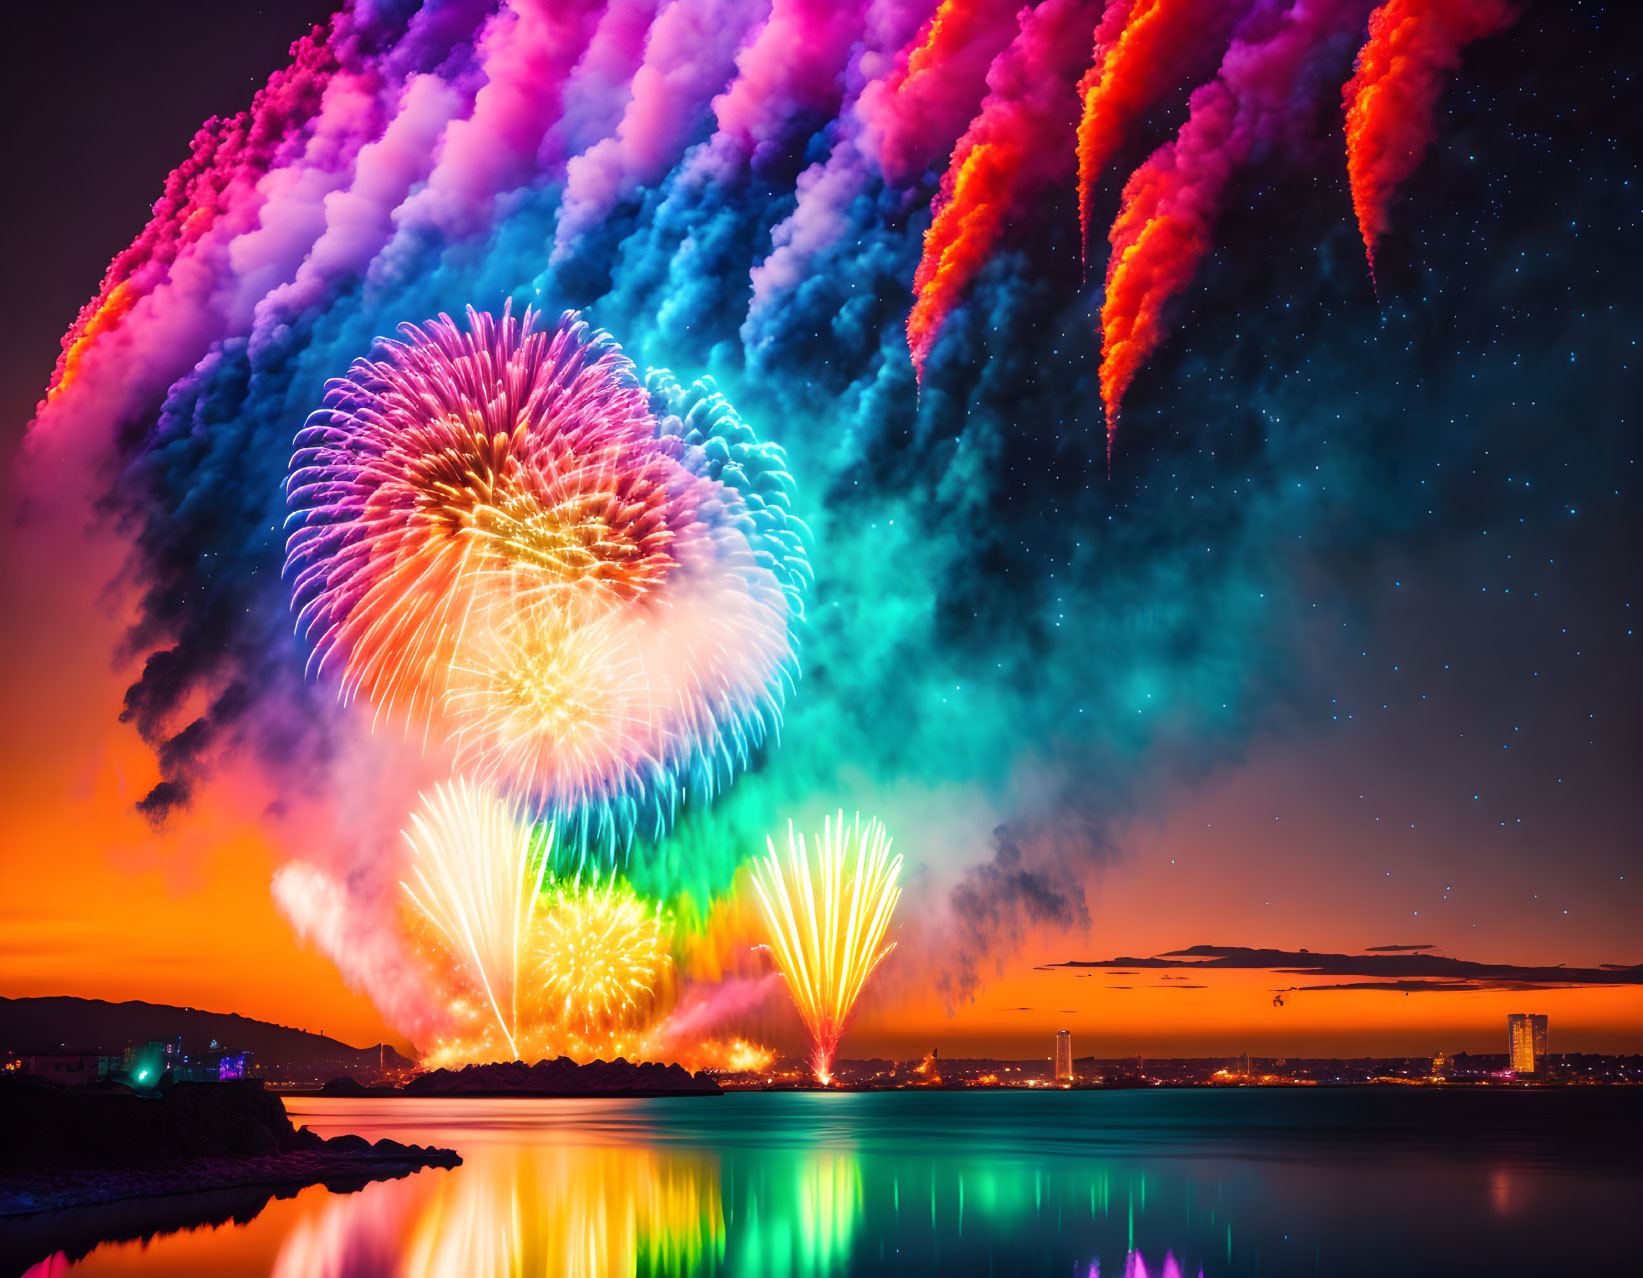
(499, 540)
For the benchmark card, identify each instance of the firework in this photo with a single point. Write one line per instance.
(589, 585)
(826, 920)
(477, 870)
(531, 965)
(601, 961)
(736, 1056)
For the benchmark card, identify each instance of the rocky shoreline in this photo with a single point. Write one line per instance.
(63, 1148)
(558, 1078)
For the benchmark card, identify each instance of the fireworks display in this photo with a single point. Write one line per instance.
(533, 962)
(503, 534)
(533, 561)
(601, 958)
(478, 867)
(827, 905)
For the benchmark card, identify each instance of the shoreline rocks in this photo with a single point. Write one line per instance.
(63, 1148)
(560, 1077)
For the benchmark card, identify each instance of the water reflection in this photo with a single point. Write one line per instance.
(590, 1204)
(581, 1211)
(810, 1186)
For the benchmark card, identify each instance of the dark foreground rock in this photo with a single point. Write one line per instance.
(62, 1148)
(563, 1077)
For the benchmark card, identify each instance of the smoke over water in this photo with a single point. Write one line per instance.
(745, 192)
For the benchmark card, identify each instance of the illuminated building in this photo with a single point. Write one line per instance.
(1525, 1043)
(1063, 1056)
(148, 1064)
(72, 1067)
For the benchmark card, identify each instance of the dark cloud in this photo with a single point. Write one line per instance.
(1405, 972)
(1035, 879)
(1385, 949)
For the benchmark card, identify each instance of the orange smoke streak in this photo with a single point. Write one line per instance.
(916, 114)
(1170, 203)
(1008, 153)
(226, 159)
(1390, 99)
(948, 30)
(96, 318)
(1139, 50)
(1156, 247)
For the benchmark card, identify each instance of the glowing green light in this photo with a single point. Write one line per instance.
(142, 1074)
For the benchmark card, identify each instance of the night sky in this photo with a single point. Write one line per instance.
(1337, 651)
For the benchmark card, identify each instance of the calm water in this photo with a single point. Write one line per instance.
(1326, 1181)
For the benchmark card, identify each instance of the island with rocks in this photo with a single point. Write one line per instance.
(67, 1147)
(560, 1077)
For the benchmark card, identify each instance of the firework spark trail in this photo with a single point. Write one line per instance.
(1142, 48)
(1412, 46)
(441, 468)
(1011, 151)
(826, 920)
(479, 866)
(1170, 203)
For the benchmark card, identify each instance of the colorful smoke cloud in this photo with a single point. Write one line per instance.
(789, 199)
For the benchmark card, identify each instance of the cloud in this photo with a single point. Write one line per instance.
(1402, 972)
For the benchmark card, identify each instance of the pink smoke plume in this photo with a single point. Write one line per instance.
(353, 927)
(1170, 203)
(218, 183)
(527, 51)
(795, 63)
(689, 53)
(1012, 150)
(1412, 46)
(601, 84)
(702, 1009)
(827, 188)
(912, 116)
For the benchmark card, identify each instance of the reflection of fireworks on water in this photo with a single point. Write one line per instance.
(477, 870)
(587, 583)
(601, 959)
(826, 920)
(574, 1209)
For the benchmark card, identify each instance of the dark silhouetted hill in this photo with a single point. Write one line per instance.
(39, 1025)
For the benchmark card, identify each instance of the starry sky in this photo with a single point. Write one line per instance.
(1419, 574)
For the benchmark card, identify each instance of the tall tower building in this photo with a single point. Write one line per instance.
(1525, 1043)
(1063, 1056)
